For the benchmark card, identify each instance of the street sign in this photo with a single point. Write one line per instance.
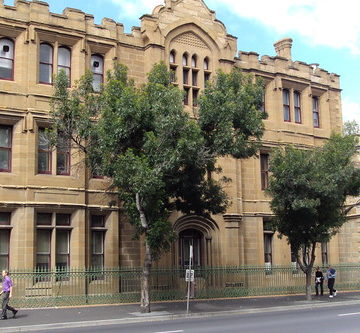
(190, 275)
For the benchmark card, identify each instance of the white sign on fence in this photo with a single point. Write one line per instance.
(190, 275)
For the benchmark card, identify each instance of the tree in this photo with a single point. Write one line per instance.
(156, 155)
(309, 189)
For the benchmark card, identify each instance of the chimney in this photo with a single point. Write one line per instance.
(283, 48)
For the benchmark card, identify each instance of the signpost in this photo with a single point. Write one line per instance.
(189, 277)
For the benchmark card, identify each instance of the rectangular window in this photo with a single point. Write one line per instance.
(97, 68)
(43, 219)
(5, 148)
(5, 218)
(97, 241)
(44, 152)
(97, 257)
(4, 248)
(262, 108)
(324, 253)
(195, 97)
(206, 77)
(297, 107)
(46, 63)
(97, 221)
(62, 249)
(185, 76)
(172, 74)
(63, 219)
(194, 78)
(63, 157)
(56, 228)
(43, 249)
(268, 256)
(186, 96)
(286, 104)
(315, 108)
(264, 167)
(294, 263)
(64, 61)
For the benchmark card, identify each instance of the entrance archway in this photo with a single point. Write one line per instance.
(189, 237)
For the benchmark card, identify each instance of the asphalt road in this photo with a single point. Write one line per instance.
(342, 319)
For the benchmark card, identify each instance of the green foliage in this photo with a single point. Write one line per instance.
(351, 128)
(159, 158)
(230, 115)
(73, 112)
(309, 189)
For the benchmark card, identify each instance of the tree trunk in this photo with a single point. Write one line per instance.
(145, 285)
(306, 266)
(308, 284)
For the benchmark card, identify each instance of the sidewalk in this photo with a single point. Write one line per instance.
(50, 318)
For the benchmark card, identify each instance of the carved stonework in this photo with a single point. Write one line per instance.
(190, 39)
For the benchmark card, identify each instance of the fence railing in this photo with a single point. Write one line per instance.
(75, 286)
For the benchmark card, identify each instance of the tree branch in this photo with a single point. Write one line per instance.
(349, 208)
(141, 212)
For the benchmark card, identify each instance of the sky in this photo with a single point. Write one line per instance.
(326, 32)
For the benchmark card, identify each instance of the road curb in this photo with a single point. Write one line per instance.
(152, 318)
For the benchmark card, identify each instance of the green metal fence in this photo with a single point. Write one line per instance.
(108, 286)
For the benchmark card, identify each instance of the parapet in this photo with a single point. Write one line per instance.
(282, 63)
(37, 12)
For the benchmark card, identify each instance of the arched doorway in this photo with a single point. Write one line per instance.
(189, 237)
(200, 232)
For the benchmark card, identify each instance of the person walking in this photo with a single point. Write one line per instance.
(6, 292)
(319, 281)
(331, 275)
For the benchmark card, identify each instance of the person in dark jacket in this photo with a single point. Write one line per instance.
(331, 275)
(319, 281)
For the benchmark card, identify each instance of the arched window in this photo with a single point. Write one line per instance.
(6, 59)
(64, 61)
(97, 68)
(46, 63)
(206, 64)
(186, 238)
(185, 59)
(172, 57)
(193, 61)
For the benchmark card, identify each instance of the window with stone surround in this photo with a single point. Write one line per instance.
(324, 253)
(194, 72)
(61, 155)
(264, 170)
(316, 111)
(46, 63)
(54, 227)
(47, 69)
(268, 245)
(6, 59)
(5, 230)
(98, 231)
(44, 152)
(297, 107)
(64, 62)
(194, 238)
(286, 104)
(97, 68)
(5, 148)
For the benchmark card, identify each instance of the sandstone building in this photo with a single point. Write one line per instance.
(53, 213)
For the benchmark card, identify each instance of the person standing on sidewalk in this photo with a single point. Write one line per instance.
(319, 281)
(6, 292)
(331, 275)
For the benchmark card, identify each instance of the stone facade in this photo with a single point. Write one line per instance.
(54, 218)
